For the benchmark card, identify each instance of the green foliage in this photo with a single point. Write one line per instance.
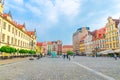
(8, 49)
(110, 55)
(32, 52)
(23, 51)
(70, 53)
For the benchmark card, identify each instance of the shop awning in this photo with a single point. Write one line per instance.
(88, 52)
(117, 50)
(106, 52)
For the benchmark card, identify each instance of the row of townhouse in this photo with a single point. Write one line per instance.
(49, 47)
(106, 38)
(14, 34)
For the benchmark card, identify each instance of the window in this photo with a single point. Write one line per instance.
(12, 40)
(3, 37)
(15, 41)
(8, 39)
(13, 30)
(9, 28)
(16, 31)
(4, 25)
(18, 42)
(19, 33)
(21, 43)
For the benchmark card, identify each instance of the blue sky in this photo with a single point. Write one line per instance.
(59, 19)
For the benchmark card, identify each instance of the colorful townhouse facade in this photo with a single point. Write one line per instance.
(49, 47)
(39, 47)
(88, 43)
(66, 48)
(76, 38)
(99, 42)
(14, 34)
(119, 32)
(101, 38)
(111, 35)
(106, 38)
(82, 45)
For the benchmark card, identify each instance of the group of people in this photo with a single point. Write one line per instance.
(39, 56)
(67, 56)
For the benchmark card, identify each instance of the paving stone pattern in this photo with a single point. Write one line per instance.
(60, 69)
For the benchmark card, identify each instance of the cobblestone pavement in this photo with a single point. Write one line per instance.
(9, 61)
(106, 65)
(60, 69)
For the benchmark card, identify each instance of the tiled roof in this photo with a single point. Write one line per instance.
(5, 15)
(94, 33)
(20, 26)
(44, 44)
(30, 32)
(39, 43)
(49, 42)
(99, 34)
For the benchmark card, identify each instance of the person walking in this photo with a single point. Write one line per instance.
(73, 55)
(63, 56)
(115, 56)
(68, 57)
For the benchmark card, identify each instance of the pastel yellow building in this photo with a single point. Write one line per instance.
(14, 34)
(82, 45)
(39, 47)
(112, 34)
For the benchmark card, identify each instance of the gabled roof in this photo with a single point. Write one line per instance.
(39, 43)
(116, 21)
(94, 34)
(44, 44)
(99, 34)
(49, 43)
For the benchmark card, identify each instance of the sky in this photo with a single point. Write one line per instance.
(59, 19)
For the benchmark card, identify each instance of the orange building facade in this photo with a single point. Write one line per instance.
(66, 48)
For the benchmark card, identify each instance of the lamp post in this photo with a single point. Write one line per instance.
(96, 51)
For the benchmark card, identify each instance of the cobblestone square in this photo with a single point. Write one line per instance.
(78, 68)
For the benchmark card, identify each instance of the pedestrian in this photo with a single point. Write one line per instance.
(115, 56)
(63, 56)
(73, 55)
(69, 57)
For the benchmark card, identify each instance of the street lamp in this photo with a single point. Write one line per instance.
(96, 51)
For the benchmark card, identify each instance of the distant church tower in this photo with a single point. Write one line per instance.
(1, 6)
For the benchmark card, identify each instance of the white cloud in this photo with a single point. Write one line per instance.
(69, 8)
(11, 5)
(53, 16)
(34, 9)
(18, 2)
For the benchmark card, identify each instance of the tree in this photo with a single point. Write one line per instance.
(8, 49)
(70, 53)
(32, 52)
